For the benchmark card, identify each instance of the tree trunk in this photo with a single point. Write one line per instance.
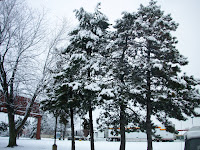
(12, 130)
(64, 131)
(122, 129)
(148, 103)
(91, 129)
(72, 128)
(55, 130)
(28, 110)
(149, 128)
(122, 107)
(148, 117)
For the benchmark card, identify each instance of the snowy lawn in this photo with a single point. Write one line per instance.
(46, 144)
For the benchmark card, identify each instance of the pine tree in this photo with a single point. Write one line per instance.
(85, 53)
(122, 81)
(62, 98)
(167, 94)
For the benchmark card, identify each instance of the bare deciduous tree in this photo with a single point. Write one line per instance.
(22, 41)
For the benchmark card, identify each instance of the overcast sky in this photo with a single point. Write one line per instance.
(184, 12)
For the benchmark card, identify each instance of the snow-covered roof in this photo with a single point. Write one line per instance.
(194, 132)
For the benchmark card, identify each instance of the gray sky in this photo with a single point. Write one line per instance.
(184, 12)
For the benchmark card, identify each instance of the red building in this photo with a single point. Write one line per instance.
(21, 104)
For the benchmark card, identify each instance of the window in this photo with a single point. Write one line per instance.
(192, 144)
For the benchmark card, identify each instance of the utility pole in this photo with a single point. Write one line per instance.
(192, 119)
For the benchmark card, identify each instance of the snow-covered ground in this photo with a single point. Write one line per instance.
(46, 144)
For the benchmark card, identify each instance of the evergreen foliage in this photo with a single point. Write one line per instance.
(158, 63)
(156, 53)
(133, 73)
(121, 83)
(86, 51)
(77, 79)
(148, 67)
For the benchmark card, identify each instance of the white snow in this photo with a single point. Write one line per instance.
(95, 66)
(139, 40)
(46, 144)
(178, 80)
(107, 92)
(135, 91)
(89, 44)
(99, 32)
(151, 38)
(194, 132)
(87, 34)
(93, 87)
(74, 85)
(78, 56)
(159, 66)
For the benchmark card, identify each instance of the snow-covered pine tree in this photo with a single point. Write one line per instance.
(167, 94)
(122, 81)
(62, 97)
(55, 92)
(86, 50)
